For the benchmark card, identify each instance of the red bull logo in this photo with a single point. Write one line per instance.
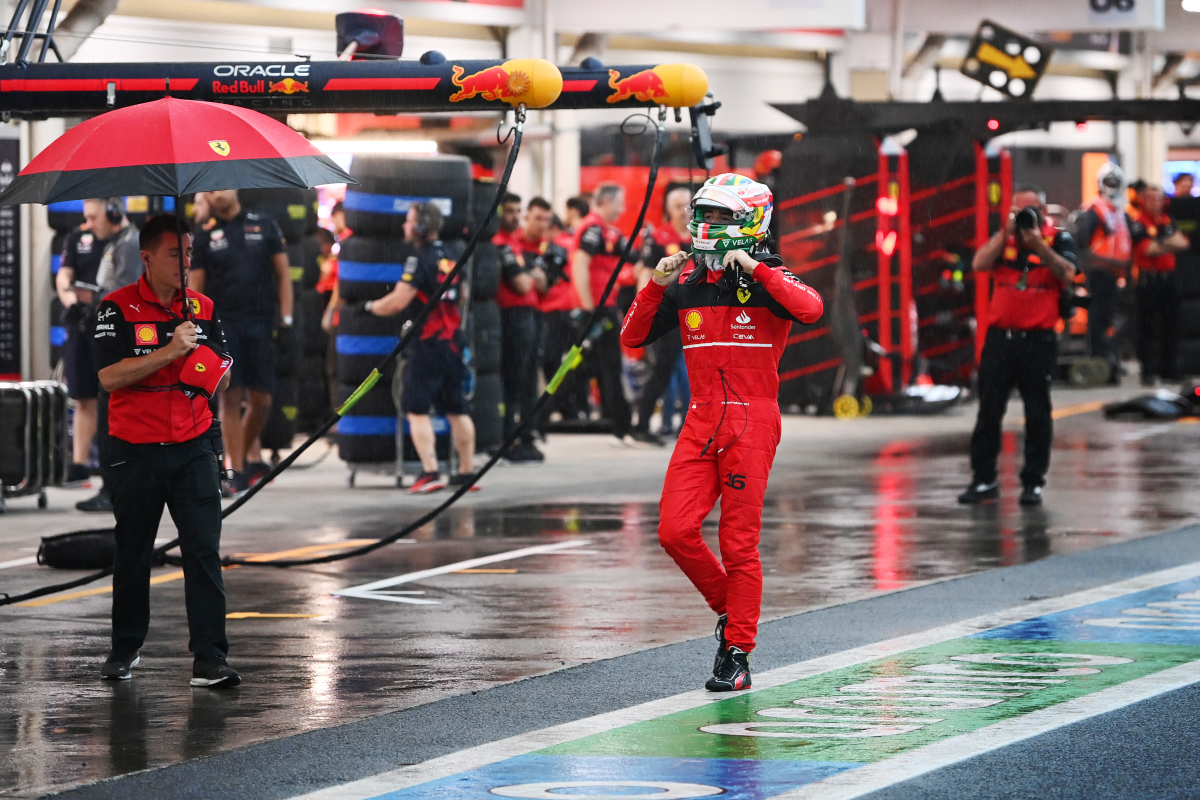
(646, 86)
(289, 86)
(493, 83)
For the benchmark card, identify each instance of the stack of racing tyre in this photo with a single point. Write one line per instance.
(370, 264)
(295, 211)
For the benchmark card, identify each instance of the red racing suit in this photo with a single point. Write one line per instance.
(733, 338)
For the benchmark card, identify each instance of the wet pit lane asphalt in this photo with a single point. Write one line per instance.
(846, 517)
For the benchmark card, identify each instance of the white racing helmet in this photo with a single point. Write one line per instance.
(749, 201)
(1110, 182)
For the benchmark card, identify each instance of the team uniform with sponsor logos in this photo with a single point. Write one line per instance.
(435, 372)
(237, 256)
(733, 338)
(558, 306)
(163, 453)
(604, 243)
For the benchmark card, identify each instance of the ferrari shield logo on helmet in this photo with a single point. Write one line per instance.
(743, 295)
(219, 146)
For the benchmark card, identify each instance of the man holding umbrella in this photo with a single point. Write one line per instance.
(161, 361)
(159, 346)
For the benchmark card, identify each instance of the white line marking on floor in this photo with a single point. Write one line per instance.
(490, 753)
(18, 562)
(371, 591)
(931, 757)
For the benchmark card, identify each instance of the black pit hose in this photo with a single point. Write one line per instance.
(570, 361)
(573, 358)
(410, 330)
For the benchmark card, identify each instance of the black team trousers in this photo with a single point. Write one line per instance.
(1024, 360)
(1158, 325)
(183, 478)
(607, 355)
(520, 358)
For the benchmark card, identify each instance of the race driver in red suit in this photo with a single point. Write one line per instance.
(735, 305)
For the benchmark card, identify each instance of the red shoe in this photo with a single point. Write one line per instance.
(427, 482)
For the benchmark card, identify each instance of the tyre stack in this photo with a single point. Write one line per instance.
(295, 211)
(483, 325)
(312, 379)
(370, 264)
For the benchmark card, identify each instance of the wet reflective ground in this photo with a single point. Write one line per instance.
(853, 509)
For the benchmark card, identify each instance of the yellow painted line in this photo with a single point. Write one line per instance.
(484, 572)
(45, 601)
(174, 576)
(305, 551)
(1070, 411)
(259, 615)
(1082, 408)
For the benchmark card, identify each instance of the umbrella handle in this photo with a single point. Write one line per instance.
(183, 299)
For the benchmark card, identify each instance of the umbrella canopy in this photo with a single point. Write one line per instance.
(172, 147)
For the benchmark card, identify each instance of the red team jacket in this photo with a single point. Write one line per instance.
(130, 323)
(733, 337)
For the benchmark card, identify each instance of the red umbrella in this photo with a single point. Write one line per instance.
(172, 147)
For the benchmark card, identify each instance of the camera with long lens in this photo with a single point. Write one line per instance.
(1028, 218)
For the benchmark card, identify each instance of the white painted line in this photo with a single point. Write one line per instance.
(373, 591)
(490, 753)
(18, 562)
(873, 777)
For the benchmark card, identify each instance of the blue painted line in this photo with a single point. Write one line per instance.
(368, 272)
(740, 779)
(365, 345)
(392, 203)
(1132, 619)
(367, 426)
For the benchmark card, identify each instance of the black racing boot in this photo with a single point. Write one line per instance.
(119, 665)
(978, 493)
(732, 673)
(722, 645)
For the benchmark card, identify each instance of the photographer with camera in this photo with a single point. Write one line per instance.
(1032, 263)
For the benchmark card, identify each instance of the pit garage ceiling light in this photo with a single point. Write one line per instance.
(1191, 5)
(376, 147)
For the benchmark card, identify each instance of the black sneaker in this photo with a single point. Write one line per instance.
(101, 503)
(255, 470)
(462, 478)
(118, 666)
(978, 493)
(524, 453)
(1031, 496)
(78, 477)
(722, 645)
(732, 674)
(646, 437)
(214, 675)
(237, 486)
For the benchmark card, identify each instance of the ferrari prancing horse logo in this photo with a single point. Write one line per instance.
(219, 146)
(743, 295)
